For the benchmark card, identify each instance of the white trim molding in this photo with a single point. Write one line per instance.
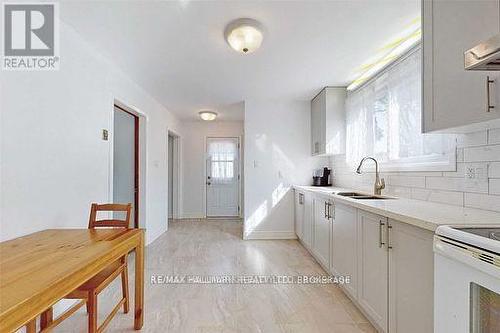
(193, 216)
(260, 234)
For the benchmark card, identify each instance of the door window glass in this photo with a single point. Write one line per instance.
(222, 158)
(484, 309)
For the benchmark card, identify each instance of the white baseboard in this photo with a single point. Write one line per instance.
(191, 216)
(258, 234)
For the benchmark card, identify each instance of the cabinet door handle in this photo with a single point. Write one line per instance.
(329, 205)
(389, 228)
(301, 198)
(488, 83)
(380, 226)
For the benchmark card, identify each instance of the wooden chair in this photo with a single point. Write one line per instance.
(89, 291)
(30, 326)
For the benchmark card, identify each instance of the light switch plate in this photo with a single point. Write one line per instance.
(105, 135)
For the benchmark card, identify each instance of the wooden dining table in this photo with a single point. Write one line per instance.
(38, 270)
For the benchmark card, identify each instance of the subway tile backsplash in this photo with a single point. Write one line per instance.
(457, 184)
(478, 150)
(494, 170)
(473, 139)
(490, 152)
(494, 136)
(494, 186)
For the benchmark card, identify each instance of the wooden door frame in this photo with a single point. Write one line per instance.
(240, 176)
(136, 163)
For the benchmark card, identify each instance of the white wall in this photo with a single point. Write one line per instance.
(479, 151)
(193, 161)
(53, 160)
(277, 155)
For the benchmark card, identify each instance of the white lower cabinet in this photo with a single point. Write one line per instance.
(308, 220)
(411, 279)
(391, 263)
(303, 217)
(321, 230)
(344, 255)
(373, 268)
(299, 214)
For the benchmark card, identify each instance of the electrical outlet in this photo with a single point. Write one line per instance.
(470, 172)
(473, 171)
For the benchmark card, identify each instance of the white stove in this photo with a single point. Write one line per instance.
(467, 279)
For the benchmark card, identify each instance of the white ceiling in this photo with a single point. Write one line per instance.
(177, 52)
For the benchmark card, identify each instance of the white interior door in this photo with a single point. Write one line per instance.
(222, 177)
(124, 161)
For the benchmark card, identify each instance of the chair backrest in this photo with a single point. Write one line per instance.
(94, 223)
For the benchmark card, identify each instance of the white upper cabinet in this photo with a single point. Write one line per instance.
(453, 97)
(317, 130)
(328, 122)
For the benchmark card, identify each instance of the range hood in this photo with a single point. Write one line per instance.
(485, 56)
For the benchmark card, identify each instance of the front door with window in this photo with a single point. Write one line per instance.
(222, 177)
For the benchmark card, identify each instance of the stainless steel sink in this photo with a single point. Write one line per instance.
(363, 196)
(371, 197)
(350, 194)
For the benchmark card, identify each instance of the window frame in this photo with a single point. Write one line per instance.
(421, 163)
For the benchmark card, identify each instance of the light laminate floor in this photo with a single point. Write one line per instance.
(216, 248)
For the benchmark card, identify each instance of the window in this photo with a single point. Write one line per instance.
(222, 156)
(384, 121)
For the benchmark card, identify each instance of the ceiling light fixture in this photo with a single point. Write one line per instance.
(244, 35)
(207, 115)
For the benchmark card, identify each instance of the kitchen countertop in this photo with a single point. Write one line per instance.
(423, 214)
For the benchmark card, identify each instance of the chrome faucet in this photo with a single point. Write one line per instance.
(379, 182)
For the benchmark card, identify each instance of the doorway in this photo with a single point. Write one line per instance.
(126, 160)
(170, 176)
(173, 174)
(223, 177)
